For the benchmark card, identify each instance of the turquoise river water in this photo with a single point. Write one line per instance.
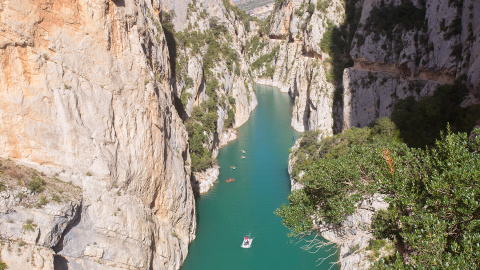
(229, 211)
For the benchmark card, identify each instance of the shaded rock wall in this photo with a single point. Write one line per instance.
(413, 58)
(439, 50)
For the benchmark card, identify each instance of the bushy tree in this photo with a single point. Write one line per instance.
(434, 211)
(434, 193)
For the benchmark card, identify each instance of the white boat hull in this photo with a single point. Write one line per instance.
(247, 245)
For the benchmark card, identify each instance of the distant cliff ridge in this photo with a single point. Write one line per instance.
(365, 49)
(260, 9)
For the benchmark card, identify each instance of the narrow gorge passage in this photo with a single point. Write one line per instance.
(229, 211)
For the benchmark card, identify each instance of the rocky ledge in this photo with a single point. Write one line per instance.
(35, 211)
(354, 235)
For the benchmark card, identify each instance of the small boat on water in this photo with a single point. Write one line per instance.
(247, 242)
(230, 180)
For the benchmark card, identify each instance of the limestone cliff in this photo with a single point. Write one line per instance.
(419, 46)
(425, 44)
(258, 9)
(212, 79)
(394, 49)
(86, 96)
(301, 67)
(389, 50)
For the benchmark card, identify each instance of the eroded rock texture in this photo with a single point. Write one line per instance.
(85, 93)
(409, 54)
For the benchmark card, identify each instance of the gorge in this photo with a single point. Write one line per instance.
(112, 112)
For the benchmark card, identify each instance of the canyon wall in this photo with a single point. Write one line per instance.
(389, 50)
(422, 45)
(86, 96)
(212, 76)
(299, 67)
(383, 58)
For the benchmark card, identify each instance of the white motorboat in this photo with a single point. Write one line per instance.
(247, 242)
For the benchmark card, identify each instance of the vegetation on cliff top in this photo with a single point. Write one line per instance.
(32, 188)
(420, 122)
(434, 212)
(213, 47)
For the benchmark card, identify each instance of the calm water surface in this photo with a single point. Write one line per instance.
(229, 211)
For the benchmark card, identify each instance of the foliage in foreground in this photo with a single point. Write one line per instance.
(3, 265)
(434, 194)
(336, 173)
(420, 122)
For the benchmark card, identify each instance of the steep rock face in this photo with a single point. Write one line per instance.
(300, 66)
(354, 235)
(427, 45)
(183, 9)
(440, 49)
(259, 9)
(33, 218)
(86, 94)
(212, 71)
(237, 85)
(370, 95)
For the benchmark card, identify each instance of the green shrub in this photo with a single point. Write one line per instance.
(2, 187)
(231, 118)
(322, 5)
(279, 3)
(360, 40)
(43, 201)
(20, 195)
(29, 225)
(404, 17)
(334, 44)
(266, 58)
(310, 9)
(457, 52)
(269, 71)
(299, 12)
(56, 198)
(254, 45)
(433, 204)
(185, 97)
(231, 100)
(169, 32)
(3, 265)
(375, 246)
(420, 122)
(36, 185)
(433, 193)
(201, 157)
